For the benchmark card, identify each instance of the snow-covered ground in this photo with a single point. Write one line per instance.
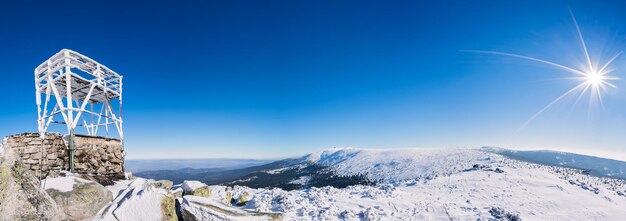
(450, 184)
(413, 184)
(134, 200)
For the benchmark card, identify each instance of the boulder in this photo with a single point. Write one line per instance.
(20, 195)
(168, 208)
(165, 184)
(197, 188)
(502, 214)
(177, 192)
(79, 198)
(195, 208)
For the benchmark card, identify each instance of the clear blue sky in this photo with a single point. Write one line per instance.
(267, 79)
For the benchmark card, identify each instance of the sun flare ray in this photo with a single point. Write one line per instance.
(530, 58)
(592, 81)
(548, 106)
(582, 41)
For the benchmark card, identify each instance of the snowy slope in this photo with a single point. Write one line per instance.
(412, 184)
(531, 194)
(394, 165)
(341, 167)
(595, 165)
(446, 184)
(134, 200)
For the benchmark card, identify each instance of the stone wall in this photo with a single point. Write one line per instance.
(98, 156)
(28, 147)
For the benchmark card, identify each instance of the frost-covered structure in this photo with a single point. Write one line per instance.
(74, 90)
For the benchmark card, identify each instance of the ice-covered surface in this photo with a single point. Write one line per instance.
(62, 184)
(451, 184)
(138, 200)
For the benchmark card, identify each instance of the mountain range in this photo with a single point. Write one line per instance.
(338, 167)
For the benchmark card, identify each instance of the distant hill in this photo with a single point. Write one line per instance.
(595, 166)
(136, 166)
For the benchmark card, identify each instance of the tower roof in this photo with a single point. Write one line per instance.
(84, 71)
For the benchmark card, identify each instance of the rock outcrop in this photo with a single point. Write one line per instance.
(82, 200)
(20, 195)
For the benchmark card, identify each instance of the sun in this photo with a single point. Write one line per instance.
(599, 79)
(593, 80)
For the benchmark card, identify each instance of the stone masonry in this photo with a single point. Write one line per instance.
(98, 156)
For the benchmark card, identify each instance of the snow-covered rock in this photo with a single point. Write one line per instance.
(79, 198)
(64, 183)
(193, 187)
(165, 184)
(140, 199)
(177, 191)
(20, 195)
(195, 208)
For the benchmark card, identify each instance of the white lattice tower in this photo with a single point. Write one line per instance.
(83, 91)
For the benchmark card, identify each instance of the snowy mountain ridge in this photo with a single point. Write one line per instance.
(397, 165)
(437, 184)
